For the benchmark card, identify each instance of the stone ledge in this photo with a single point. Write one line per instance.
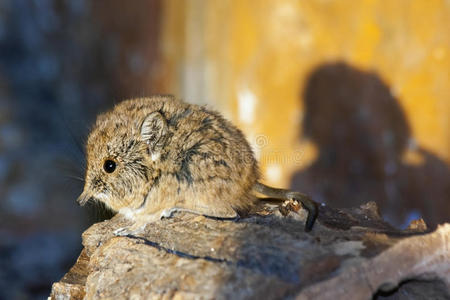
(349, 252)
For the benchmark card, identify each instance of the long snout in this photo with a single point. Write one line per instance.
(83, 199)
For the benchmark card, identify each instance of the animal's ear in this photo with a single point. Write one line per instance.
(154, 131)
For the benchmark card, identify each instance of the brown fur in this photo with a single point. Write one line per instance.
(205, 163)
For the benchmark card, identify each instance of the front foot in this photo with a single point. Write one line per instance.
(169, 212)
(123, 231)
(129, 231)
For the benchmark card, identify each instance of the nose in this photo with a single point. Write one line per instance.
(83, 199)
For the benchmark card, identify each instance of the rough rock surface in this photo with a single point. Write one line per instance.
(265, 256)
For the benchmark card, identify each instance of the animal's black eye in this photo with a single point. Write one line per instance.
(109, 166)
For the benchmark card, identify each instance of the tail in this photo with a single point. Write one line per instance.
(305, 200)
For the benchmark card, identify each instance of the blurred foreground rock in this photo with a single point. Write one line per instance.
(349, 253)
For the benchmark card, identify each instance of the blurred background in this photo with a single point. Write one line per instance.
(348, 101)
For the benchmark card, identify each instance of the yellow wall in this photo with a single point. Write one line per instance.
(254, 56)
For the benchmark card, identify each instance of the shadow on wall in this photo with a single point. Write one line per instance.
(365, 150)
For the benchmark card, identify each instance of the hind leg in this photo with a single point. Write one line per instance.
(283, 194)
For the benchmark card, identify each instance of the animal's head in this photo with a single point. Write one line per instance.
(122, 153)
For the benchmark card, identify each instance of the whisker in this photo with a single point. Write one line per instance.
(75, 177)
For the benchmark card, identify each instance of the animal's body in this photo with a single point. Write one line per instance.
(149, 157)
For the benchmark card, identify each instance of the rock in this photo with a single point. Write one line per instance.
(71, 286)
(348, 253)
